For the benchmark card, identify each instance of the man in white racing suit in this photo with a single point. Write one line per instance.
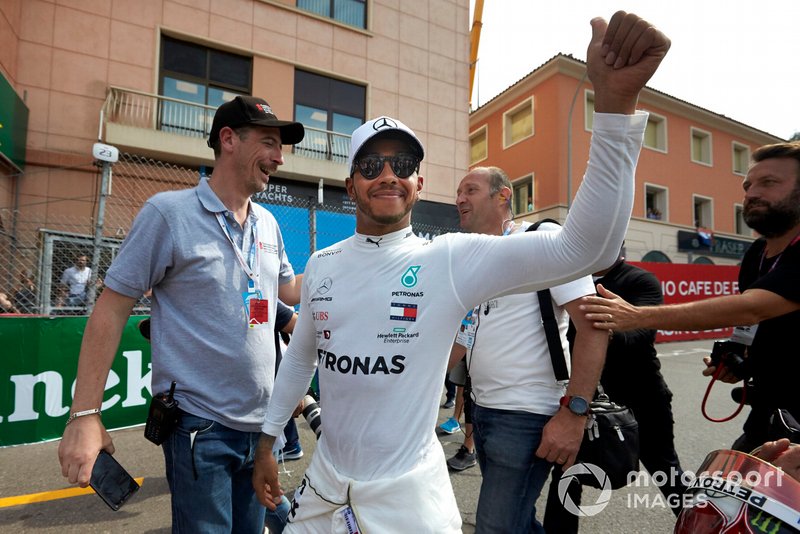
(377, 307)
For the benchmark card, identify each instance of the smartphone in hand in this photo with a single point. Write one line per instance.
(111, 482)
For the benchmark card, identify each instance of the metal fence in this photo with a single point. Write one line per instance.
(49, 241)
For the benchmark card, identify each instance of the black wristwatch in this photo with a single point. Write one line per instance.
(576, 404)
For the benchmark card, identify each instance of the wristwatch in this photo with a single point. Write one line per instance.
(576, 404)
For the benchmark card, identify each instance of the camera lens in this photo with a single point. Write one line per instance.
(311, 412)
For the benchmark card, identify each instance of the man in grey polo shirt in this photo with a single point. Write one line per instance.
(217, 265)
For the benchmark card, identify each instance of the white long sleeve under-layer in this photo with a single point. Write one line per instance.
(379, 313)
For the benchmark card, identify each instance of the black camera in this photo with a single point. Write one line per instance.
(731, 355)
(163, 417)
(311, 412)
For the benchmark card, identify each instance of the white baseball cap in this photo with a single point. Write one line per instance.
(385, 127)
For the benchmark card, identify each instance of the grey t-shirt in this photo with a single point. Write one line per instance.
(200, 335)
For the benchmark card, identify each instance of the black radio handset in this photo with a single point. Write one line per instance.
(163, 416)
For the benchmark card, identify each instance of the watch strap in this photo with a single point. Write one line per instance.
(566, 400)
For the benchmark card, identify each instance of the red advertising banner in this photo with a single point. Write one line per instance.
(690, 282)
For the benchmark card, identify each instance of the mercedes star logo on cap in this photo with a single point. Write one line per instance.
(384, 122)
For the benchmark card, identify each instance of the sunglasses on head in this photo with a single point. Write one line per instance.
(371, 166)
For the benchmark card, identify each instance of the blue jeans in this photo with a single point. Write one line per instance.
(513, 476)
(450, 388)
(291, 435)
(211, 480)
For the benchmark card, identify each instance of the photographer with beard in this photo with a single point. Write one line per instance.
(769, 281)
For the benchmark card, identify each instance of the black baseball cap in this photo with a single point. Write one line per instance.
(244, 110)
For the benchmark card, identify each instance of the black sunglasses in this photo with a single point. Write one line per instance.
(371, 166)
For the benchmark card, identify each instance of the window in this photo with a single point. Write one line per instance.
(655, 133)
(701, 146)
(330, 110)
(655, 202)
(350, 12)
(518, 123)
(703, 260)
(740, 226)
(703, 212)
(589, 111)
(656, 256)
(522, 199)
(477, 146)
(200, 75)
(741, 158)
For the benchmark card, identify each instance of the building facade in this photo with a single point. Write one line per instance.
(688, 203)
(146, 76)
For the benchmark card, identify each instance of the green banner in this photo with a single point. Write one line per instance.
(13, 124)
(37, 376)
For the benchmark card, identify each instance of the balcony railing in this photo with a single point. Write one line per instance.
(138, 109)
(323, 144)
(145, 110)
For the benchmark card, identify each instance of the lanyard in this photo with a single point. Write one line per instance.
(764, 255)
(252, 257)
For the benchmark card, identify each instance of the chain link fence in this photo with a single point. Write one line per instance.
(56, 247)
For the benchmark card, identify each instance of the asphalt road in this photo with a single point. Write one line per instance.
(33, 469)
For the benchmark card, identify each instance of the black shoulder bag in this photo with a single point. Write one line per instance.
(611, 440)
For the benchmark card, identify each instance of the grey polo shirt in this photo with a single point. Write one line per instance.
(200, 337)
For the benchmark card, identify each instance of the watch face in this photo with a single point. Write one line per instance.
(579, 405)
